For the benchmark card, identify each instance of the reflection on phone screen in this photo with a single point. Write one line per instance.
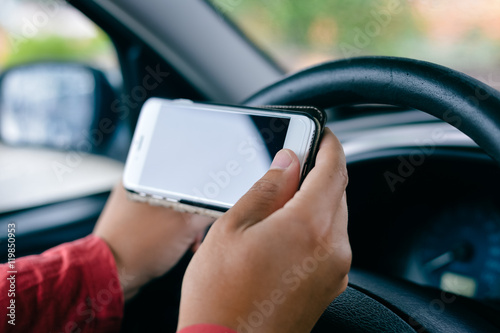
(211, 155)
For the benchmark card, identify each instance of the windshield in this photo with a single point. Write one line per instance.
(464, 35)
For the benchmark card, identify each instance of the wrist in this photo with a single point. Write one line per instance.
(129, 281)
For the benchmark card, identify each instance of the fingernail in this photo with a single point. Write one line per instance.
(282, 160)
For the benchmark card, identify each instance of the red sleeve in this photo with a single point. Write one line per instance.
(73, 287)
(206, 328)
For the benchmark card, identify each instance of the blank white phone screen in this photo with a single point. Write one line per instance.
(211, 155)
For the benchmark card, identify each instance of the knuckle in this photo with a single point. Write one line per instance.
(343, 285)
(343, 259)
(342, 175)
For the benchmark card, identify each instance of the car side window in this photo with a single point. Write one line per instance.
(59, 75)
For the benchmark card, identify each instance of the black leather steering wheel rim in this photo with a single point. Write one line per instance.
(464, 102)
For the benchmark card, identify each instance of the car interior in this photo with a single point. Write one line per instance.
(421, 136)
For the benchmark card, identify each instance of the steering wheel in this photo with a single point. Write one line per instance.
(375, 303)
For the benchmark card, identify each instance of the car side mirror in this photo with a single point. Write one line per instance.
(59, 105)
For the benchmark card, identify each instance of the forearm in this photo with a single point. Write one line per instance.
(71, 288)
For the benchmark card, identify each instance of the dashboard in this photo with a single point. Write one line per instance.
(458, 250)
(421, 210)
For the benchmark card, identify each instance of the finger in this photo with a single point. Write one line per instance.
(197, 241)
(336, 231)
(341, 218)
(339, 239)
(323, 188)
(270, 193)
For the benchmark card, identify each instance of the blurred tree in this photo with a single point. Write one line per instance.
(58, 48)
(372, 27)
(295, 17)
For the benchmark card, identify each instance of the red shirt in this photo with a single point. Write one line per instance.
(73, 287)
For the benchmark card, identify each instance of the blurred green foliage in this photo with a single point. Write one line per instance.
(56, 48)
(290, 21)
(302, 32)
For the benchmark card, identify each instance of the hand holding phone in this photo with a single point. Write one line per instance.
(202, 158)
(164, 234)
(278, 257)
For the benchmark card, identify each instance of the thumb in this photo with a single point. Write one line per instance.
(270, 193)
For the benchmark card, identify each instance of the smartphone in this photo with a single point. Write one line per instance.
(202, 158)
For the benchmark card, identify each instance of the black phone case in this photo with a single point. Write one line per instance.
(318, 116)
(315, 114)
